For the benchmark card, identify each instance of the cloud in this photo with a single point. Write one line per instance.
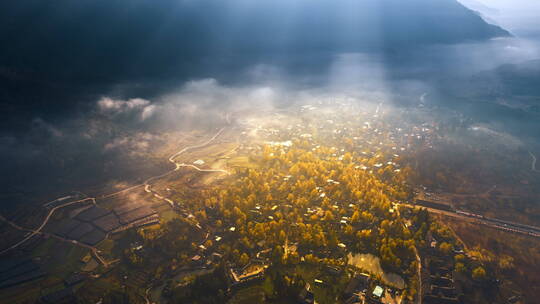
(108, 104)
(500, 138)
(135, 145)
(148, 111)
(46, 128)
(114, 107)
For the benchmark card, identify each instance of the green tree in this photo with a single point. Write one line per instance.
(460, 267)
(446, 248)
(479, 273)
(244, 259)
(328, 216)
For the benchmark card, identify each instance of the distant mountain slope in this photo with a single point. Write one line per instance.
(521, 79)
(479, 7)
(107, 40)
(58, 55)
(487, 13)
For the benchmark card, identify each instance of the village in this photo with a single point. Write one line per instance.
(304, 208)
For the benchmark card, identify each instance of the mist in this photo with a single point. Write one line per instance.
(519, 17)
(100, 97)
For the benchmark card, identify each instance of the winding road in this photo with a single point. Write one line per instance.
(171, 159)
(38, 230)
(34, 232)
(146, 184)
(420, 293)
(490, 222)
(202, 170)
(176, 168)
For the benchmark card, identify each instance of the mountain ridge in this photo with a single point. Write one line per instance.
(99, 39)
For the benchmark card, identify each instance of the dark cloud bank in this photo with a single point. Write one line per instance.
(65, 52)
(87, 88)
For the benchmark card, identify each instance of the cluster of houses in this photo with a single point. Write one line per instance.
(362, 290)
(442, 289)
(441, 285)
(397, 138)
(306, 296)
(91, 224)
(252, 272)
(356, 289)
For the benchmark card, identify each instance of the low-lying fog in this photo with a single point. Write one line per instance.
(86, 135)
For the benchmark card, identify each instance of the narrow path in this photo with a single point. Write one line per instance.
(93, 199)
(419, 270)
(38, 230)
(147, 186)
(202, 170)
(171, 160)
(94, 250)
(420, 293)
(458, 238)
(503, 226)
(146, 298)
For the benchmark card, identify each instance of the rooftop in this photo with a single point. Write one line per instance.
(378, 291)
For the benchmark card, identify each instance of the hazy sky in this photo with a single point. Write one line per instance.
(90, 86)
(519, 16)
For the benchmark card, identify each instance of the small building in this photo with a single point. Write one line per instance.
(306, 296)
(378, 291)
(199, 162)
(333, 270)
(216, 256)
(253, 271)
(196, 258)
(358, 284)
